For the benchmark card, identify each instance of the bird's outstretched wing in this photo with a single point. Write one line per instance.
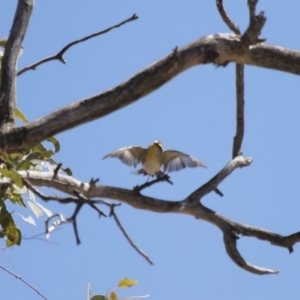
(130, 156)
(175, 161)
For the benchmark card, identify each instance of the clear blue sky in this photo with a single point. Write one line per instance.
(194, 113)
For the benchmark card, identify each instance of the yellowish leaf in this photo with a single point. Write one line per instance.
(36, 210)
(113, 296)
(20, 115)
(127, 282)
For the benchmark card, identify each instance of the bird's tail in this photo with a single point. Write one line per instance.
(143, 172)
(140, 172)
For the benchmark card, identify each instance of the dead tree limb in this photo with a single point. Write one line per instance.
(190, 206)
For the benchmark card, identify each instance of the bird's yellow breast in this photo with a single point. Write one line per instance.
(152, 159)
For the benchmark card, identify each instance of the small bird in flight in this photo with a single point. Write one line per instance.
(153, 158)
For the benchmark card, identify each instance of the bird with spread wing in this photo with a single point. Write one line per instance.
(153, 158)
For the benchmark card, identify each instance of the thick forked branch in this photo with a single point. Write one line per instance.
(59, 56)
(231, 230)
(219, 49)
(8, 67)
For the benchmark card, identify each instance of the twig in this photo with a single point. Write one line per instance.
(20, 278)
(256, 23)
(65, 200)
(225, 17)
(55, 171)
(237, 162)
(165, 177)
(79, 201)
(73, 220)
(112, 213)
(59, 55)
(240, 105)
(218, 192)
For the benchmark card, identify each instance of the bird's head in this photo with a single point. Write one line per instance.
(158, 144)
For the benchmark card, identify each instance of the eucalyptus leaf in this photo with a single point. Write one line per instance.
(13, 175)
(55, 143)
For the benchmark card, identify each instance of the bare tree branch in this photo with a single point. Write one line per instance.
(211, 185)
(230, 245)
(219, 49)
(225, 17)
(113, 214)
(8, 66)
(251, 35)
(80, 201)
(165, 177)
(190, 206)
(20, 278)
(240, 104)
(59, 56)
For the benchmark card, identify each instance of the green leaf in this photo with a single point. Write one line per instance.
(24, 165)
(38, 148)
(68, 171)
(47, 154)
(55, 143)
(11, 232)
(13, 236)
(4, 156)
(16, 198)
(13, 175)
(34, 155)
(3, 42)
(20, 115)
(127, 282)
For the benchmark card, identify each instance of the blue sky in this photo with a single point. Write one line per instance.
(195, 114)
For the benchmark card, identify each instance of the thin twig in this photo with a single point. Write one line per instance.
(55, 171)
(112, 213)
(240, 105)
(225, 17)
(20, 278)
(65, 200)
(79, 201)
(59, 55)
(73, 220)
(165, 177)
